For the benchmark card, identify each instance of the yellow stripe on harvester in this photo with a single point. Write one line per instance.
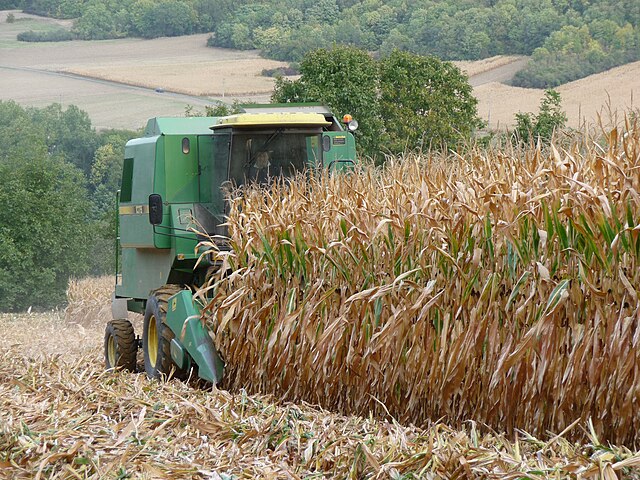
(272, 119)
(133, 209)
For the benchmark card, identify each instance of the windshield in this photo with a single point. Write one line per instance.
(259, 156)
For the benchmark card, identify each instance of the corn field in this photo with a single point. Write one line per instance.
(494, 286)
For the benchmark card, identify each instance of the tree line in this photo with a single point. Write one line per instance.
(58, 179)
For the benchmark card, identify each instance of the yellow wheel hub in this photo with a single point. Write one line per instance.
(152, 341)
(111, 351)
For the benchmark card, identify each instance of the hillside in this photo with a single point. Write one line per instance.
(119, 91)
(41, 73)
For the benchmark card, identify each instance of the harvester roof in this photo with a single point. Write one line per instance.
(275, 119)
(179, 126)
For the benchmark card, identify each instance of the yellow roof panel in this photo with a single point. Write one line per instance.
(272, 119)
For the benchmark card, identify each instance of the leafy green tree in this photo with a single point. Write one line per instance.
(43, 231)
(68, 133)
(426, 102)
(322, 12)
(44, 216)
(10, 4)
(169, 18)
(550, 118)
(402, 102)
(54, 213)
(97, 23)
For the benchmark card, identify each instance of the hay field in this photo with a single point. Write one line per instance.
(583, 100)
(232, 77)
(476, 67)
(62, 417)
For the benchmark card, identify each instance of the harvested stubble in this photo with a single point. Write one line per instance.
(498, 286)
(65, 417)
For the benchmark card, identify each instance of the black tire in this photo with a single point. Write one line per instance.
(120, 345)
(157, 336)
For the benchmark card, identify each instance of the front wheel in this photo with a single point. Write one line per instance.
(120, 345)
(157, 336)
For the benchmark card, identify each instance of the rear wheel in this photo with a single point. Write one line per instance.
(120, 345)
(157, 336)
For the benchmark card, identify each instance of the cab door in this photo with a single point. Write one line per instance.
(214, 175)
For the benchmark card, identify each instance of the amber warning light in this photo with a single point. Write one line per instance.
(352, 125)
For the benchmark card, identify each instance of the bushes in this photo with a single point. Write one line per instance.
(58, 35)
(550, 118)
(280, 72)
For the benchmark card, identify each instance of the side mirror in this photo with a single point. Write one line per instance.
(155, 209)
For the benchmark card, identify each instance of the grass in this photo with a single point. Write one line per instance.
(9, 31)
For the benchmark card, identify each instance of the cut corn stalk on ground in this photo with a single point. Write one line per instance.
(63, 417)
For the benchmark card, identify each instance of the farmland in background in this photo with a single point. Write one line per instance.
(30, 75)
(583, 100)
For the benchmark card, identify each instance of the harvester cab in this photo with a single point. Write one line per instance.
(174, 193)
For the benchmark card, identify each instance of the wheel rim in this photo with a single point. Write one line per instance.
(111, 351)
(152, 341)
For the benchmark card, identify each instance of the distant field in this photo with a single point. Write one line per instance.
(582, 100)
(212, 78)
(128, 72)
(30, 74)
(486, 64)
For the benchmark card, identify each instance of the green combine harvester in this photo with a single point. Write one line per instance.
(173, 196)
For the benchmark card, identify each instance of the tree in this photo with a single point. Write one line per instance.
(426, 102)
(346, 80)
(541, 127)
(43, 219)
(67, 133)
(404, 101)
(43, 231)
(48, 221)
(97, 23)
(169, 18)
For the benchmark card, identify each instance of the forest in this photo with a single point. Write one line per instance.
(567, 39)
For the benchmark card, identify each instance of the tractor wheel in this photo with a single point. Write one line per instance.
(157, 336)
(120, 345)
